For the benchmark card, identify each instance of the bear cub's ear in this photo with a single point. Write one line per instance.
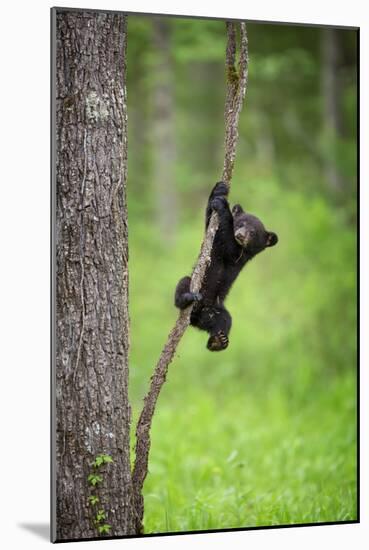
(237, 209)
(272, 238)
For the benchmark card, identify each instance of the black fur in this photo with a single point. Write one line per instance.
(240, 236)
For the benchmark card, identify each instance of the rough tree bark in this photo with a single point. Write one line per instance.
(236, 89)
(92, 409)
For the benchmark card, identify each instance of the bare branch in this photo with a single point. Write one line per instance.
(236, 89)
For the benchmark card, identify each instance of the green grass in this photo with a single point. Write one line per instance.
(265, 432)
(240, 460)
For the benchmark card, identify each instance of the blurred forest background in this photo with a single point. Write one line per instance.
(265, 432)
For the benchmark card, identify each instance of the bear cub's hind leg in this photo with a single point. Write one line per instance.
(219, 331)
(217, 321)
(183, 296)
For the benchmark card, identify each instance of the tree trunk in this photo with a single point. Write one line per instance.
(92, 325)
(163, 132)
(332, 87)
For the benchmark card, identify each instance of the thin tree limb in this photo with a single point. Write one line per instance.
(236, 89)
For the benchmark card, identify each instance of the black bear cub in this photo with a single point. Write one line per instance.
(240, 236)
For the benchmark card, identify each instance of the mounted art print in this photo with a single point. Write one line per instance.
(204, 275)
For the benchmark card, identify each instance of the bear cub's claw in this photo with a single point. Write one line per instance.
(218, 342)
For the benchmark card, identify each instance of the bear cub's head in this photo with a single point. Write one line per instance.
(250, 233)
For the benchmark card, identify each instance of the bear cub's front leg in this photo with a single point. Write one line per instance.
(217, 200)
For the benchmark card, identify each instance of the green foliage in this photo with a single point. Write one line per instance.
(282, 127)
(104, 529)
(100, 516)
(201, 40)
(290, 65)
(95, 480)
(102, 459)
(265, 432)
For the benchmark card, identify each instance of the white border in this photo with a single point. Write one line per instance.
(24, 230)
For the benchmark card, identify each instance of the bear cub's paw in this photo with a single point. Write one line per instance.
(220, 190)
(218, 342)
